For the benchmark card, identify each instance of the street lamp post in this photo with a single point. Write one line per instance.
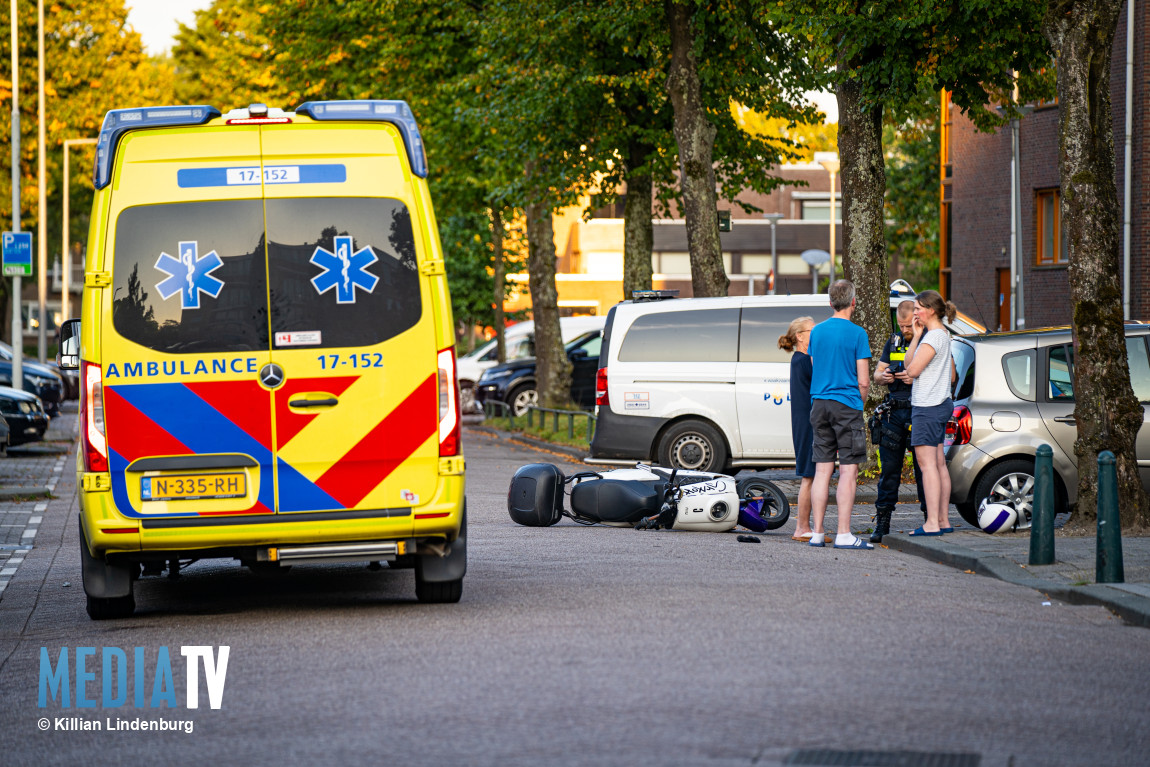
(830, 162)
(66, 255)
(41, 203)
(773, 218)
(17, 331)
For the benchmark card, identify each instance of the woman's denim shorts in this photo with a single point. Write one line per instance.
(928, 424)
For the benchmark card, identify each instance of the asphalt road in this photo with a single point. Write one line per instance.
(577, 645)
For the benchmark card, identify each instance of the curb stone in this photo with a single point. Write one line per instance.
(1132, 608)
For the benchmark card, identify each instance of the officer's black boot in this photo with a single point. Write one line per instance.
(881, 526)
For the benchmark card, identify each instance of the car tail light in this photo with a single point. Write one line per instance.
(449, 415)
(601, 399)
(92, 418)
(958, 428)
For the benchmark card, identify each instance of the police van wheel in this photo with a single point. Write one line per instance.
(443, 592)
(111, 609)
(693, 445)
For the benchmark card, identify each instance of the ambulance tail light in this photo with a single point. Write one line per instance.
(449, 415)
(92, 418)
(601, 398)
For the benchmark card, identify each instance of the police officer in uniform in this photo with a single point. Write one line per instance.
(892, 434)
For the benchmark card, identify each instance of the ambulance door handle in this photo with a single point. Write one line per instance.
(314, 402)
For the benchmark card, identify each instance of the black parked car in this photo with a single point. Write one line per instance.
(42, 380)
(25, 415)
(514, 382)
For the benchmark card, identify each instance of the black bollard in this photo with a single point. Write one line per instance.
(1042, 515)
(1108, 560)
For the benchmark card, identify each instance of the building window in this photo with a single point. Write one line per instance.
(1051, 236)
(819, 210)
(944, 269)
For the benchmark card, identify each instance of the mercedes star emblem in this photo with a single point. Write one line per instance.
(271, 375)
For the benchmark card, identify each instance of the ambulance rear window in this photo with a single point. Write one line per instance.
(342, 266)
(194, 278)
(189, 278)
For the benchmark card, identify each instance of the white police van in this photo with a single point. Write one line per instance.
(700, 383)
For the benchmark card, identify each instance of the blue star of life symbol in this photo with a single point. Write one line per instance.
(343, 270)
(189, 275)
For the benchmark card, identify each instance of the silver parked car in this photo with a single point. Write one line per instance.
(1015, 391)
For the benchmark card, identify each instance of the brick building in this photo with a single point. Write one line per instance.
(976, 203)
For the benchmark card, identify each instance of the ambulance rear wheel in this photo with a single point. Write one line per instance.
(111, 609)
(445, 592)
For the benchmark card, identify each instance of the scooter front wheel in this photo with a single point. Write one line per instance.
(776, 510)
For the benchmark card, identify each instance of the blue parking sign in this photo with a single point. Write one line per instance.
(17, 254)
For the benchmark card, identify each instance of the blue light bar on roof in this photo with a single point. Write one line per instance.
(398, 113)
(119, 121)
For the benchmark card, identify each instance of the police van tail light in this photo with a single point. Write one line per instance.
(92, 418)
(958, 428)
(449, 415)
(601, 399)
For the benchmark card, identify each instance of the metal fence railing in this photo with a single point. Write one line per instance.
(495, 408)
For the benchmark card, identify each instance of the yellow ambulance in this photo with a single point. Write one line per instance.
(266, 349)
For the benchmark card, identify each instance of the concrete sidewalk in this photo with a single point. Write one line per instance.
(1070, 579)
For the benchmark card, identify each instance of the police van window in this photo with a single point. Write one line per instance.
(344, 267)
(761, 327)
(704, 335)
(188, 278)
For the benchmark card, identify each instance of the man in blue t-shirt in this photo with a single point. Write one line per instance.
(840, 354)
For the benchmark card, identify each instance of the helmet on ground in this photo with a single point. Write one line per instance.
(996, 517)
(750, 517)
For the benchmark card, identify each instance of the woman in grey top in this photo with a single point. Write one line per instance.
(929, 368)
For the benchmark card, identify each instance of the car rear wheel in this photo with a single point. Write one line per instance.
(521, 398)
(693, 445)
(1010, 483)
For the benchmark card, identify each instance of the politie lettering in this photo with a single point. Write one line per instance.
(57, 681)
(219, 366)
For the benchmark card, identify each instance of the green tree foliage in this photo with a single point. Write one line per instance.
(882, 56)
(911, 148)
(93, 62)
(226, 59)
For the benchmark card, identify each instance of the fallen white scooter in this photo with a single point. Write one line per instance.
(646, 498)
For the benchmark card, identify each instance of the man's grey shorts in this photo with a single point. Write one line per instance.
(838, 429)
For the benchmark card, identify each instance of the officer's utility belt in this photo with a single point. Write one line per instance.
(899, 404)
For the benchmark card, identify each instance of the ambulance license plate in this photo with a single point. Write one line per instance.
(187, 487)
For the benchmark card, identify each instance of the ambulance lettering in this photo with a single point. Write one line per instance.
(218, 366)
(343, 270)
(189, 275)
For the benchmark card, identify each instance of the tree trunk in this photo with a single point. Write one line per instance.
(695, 137)
(1109, 416)
(552, 368)
(638, 232)
(499, 280)
(863, 178)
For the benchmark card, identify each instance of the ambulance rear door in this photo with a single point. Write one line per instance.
(184, 329)
(352, 331)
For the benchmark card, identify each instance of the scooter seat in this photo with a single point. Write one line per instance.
(616, 502)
